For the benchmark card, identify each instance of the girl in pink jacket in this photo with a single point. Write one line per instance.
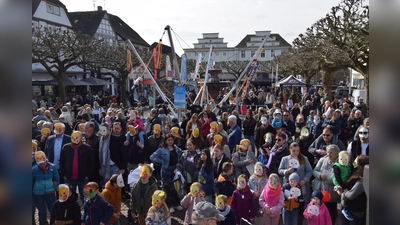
(323, 217)
(271, 201)
(195, 195)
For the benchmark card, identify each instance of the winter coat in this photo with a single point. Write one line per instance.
(188, 202)
(276, 209)
(113, 196)
(187, 164)
(158, 218)
(290, 205)
(67, 211)
(229, 216)
(240, 161)
(162, 156)
(322, 219)
(335, 125)
(43, 183)
(323, 164)
(206, 179)
(136, 205)
(242, 205)
(85, 161)
(218, 165)
(97, 210)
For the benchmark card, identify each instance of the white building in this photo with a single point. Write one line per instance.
(245, 50)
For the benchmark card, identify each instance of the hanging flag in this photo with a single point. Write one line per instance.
(252, 69)
(168, 68)
(183, 69)
(155, 62)
(198, 61)
(276, 78)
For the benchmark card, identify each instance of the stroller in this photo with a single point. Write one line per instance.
(174, 188)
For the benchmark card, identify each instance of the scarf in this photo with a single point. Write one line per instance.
(92, 202)
(271, 196)
(275, 150)
(107, 175)
(45, 169)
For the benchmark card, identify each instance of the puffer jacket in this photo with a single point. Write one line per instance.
(43, 183)
(113, 196)
(136, 204)
(322, 219)
(67, 211)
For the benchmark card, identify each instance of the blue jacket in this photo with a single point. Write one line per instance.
(100, 211)
(234, 138)
(162, 156)
(206, 180)
(43, 183)
(277, 123)
(49, 147)
(335, 126)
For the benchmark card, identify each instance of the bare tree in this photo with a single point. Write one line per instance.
(347, 27)
(58, 50)
(112, 60)
(234, 67)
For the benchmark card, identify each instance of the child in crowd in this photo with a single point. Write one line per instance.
(293, 197)
(148, 125)
(195, 195)
(320, 215)
(158, 213)
(257, 182)
(243, 158)
(226, 183)
(225, 210)
(141, 193)
(138, 124)
(66, 209)
(277, 121)
(112, 194)
(271, 200)
(242, 200)
(316, 128)
(263, 157)
(205, 173)
(342, 171)
(95, 210)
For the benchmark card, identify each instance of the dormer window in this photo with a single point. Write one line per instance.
(53, 9)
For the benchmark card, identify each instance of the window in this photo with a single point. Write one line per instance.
(253, 53)
(224, 53)
(272, 53)
(53, 9)
(242, 54)
(263, 54)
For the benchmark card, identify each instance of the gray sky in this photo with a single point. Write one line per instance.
(232, 19)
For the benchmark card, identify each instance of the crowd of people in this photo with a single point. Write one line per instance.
(289, 157)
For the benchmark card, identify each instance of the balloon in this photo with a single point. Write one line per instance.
(326, 196)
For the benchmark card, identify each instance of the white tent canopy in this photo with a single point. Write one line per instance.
(291, 81)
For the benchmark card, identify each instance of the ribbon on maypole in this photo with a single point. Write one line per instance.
(196, 70)
(155, 62)
(249, 76)
(183, 68)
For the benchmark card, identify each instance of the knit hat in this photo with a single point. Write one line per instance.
(206, 210)
(318, 194)
(295, 177)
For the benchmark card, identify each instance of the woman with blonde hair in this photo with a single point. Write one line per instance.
(193, 123)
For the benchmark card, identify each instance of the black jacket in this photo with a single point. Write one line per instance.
(135, 154)
(153, 121)
(93, 142)
(118, 153)
(85, 161)
(68, 210)
(49, 146)
(218, 165)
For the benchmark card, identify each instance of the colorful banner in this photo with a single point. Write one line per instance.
(252, 69)
(155, 62)
(180, 96)
(183, 69)
(168, 68)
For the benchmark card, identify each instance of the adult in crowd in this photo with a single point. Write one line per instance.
(353, 124)
(93, 141)
(257, 117)
(88, 115)
(304, 141)
(365, 124)
(205, 124)
(211, 114)
(355, 199)
(112, 154)
(65, 112)
(97, 110)
(43, 136)
(67, 127)
(224, 120)
(54, 145)
(277, 152)
(40, 116)
(45, 179)
(184, 124)
(195, 108)
(306, 109)
(249, 125)
(288, 123)
(205, 213)
(193, 123)
(188, 161)
(304, 171)
(318, 147)
(265, 127)
(154, 119)
(122, 123)
(323, 178)
(360, 146)
(235, 133)
(238, 120)
(76, 163)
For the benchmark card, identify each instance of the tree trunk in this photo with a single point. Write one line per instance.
(366, 83)
(122, 86)
(307, 79)
(61, 87)
(327, 82)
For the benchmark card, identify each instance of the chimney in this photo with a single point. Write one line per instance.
(99, 8)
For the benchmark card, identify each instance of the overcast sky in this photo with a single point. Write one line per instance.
(232, 19)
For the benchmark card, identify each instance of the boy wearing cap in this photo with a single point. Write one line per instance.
(292, 200)
(112, 194)
(205, 213)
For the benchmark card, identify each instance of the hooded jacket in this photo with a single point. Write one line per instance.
(67, 211)
(113, 196)
(322, 219)
(43, 183)
(136, 204)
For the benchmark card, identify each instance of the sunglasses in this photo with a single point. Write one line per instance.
(278, 139)
(285, 115)
(326, 135)
(363, 132)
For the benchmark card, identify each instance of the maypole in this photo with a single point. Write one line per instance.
(256, 55)
(165, 98)
(206, 77)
